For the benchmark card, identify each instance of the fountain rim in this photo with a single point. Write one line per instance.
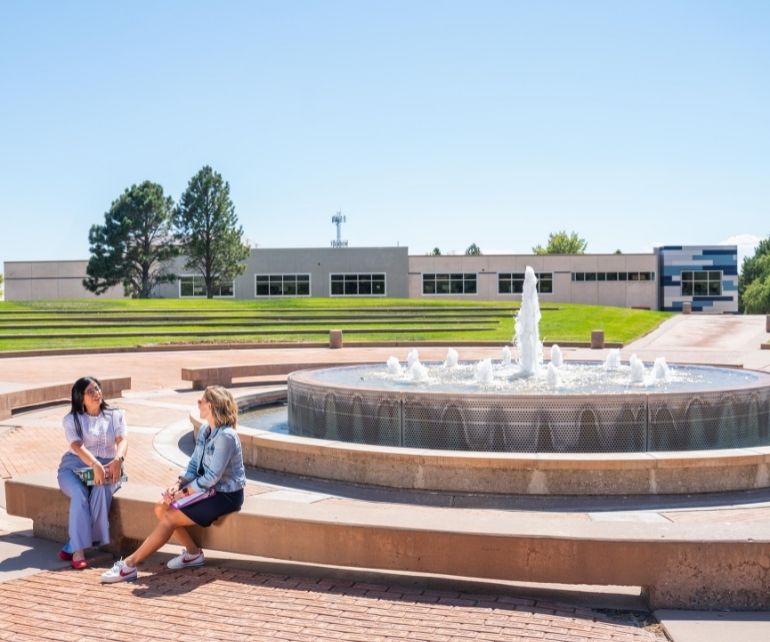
(304, 376)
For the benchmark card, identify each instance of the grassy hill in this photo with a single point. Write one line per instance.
(130, 322)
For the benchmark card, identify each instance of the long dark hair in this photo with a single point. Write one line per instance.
(79, 392)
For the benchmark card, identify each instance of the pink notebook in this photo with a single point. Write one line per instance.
(193, 498)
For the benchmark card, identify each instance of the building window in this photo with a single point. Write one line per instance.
(194, 286)
(282, 284)
(456, 283)
(702, 283)
(357, 284)
(513, 282)
(613, 276)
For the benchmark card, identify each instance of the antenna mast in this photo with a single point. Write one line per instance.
(338, 219)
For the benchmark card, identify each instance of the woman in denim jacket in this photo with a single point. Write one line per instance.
(216, 465)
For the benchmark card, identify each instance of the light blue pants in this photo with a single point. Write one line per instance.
(89, 506)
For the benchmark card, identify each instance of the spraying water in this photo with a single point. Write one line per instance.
(556, 357)
(394, 367)
(612, 362)
(637, 369)
(660, 370)
(554, 380)
(483, 372)
(527, 327)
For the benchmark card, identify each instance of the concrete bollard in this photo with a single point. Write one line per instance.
(597, 339)
(335, 339)
(686, 307)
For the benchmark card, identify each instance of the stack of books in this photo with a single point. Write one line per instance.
(86, 475)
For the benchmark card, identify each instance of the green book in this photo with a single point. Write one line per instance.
(86, 474)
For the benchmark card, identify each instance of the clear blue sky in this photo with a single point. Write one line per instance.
(427, 122)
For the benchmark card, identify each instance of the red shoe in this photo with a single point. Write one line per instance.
(79, 565)
(64, 556)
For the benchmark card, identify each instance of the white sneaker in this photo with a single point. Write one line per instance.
(120, 572)
(184, 560)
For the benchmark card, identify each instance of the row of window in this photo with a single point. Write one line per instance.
(357, 284)
(693, 283)
(513, 282)
(196, 286)
(459, 283)
(291, 285)
(283, 285)
(613, 276)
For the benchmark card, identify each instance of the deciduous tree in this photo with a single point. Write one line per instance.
(754, 281)
(473, 250)
(562, 243)
(134, 244)
(208, 230)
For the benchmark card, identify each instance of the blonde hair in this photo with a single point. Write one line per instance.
(224, 410)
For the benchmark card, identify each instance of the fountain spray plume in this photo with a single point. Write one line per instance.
(483, 372)
(552, 375)
(637, 369)
(394, 367)
(612, 362)
(660, 370)
(527, 338)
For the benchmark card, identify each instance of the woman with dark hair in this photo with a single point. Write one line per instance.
(215, 471)
(96, 435)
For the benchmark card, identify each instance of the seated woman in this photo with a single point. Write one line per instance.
(96, 435)
(216, 463)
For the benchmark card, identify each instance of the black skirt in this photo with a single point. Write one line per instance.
(206, 512)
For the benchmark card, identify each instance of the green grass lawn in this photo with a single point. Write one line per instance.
(34, 324)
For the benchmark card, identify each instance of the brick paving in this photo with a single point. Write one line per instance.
(216, 602)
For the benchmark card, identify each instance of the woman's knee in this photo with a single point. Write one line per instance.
(160, 510)
(72, 487)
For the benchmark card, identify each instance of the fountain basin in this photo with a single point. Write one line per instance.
(510, 474)
(725, 409)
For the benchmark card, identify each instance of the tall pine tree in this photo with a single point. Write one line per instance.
(134, 243)
(208, 230)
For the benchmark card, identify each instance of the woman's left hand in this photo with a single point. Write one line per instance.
(113, 470)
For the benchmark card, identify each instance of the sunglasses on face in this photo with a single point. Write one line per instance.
(94, 391)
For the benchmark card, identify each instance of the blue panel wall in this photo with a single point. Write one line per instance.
(675, 259)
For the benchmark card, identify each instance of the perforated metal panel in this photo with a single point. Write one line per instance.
(530, 423)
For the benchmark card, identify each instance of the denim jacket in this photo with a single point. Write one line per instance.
(216, 461)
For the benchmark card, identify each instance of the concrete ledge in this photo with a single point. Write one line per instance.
(688, 565)
(35, 395)
(224, 375)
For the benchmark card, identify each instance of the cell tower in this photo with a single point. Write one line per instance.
(338, 219)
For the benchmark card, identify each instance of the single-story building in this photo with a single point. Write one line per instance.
(705, 276)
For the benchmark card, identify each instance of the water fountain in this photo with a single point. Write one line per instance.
(526, 407)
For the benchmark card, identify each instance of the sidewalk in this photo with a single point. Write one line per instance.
(249, 598)
(236, 598)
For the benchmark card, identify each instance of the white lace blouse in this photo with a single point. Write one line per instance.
(99, 432)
